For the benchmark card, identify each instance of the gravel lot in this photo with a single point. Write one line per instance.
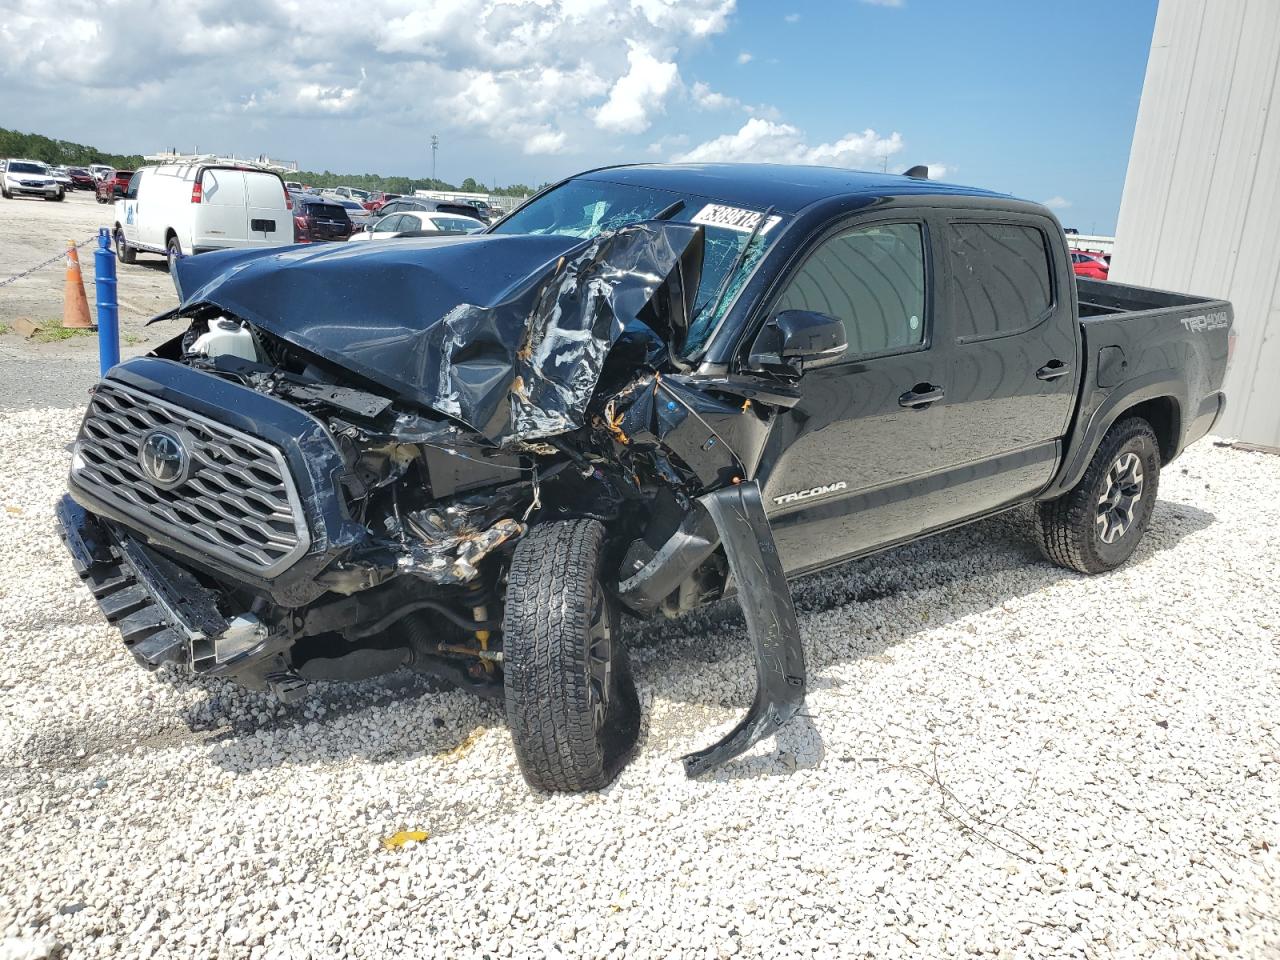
(998, 758)
(35, 230)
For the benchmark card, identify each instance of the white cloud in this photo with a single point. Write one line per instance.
(662, 147)
(884, 3)
(1057, 203)
(642, 90)
(771, 142)
(704, 98)
(792, 18)
(528, 73)
(744, 57)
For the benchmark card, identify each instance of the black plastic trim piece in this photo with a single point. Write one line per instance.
(765, 598)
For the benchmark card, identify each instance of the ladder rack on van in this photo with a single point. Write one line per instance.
(213, 160)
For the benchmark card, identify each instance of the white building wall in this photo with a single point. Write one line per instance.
(1201, 206)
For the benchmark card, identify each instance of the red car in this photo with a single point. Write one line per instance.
(1090, 265)
(379, 200)
(114, 186)
(82, 179)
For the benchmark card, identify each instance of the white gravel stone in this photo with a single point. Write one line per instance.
(1109, 748)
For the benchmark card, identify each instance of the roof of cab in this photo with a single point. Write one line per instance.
(788, 188)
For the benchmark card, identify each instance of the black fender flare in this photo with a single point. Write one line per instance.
(1160, 385)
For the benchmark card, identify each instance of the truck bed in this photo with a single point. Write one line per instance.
(1104, 298)
(1162, 353)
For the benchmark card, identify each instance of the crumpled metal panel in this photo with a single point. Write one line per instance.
(506, 334)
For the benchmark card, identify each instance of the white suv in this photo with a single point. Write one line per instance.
(179, 209)
(29, 178)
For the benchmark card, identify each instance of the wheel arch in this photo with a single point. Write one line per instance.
(1156, 398)
(1165, 416)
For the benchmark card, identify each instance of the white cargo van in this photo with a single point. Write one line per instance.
(182, 209)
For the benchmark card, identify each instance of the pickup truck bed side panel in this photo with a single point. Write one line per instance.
(1142, 345)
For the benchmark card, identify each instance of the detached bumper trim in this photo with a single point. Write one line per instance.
(160, 609)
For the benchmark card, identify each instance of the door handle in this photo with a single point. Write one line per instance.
(1053, 370)
(921, 396)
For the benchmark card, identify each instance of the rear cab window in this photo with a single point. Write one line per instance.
(1001, 278)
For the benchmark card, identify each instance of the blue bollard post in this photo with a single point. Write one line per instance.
(104, 272)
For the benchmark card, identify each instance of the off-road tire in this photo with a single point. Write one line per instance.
(553, 592)
(1069, 533)
(124, 252)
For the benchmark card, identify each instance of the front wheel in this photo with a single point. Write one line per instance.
(57, 197)
(124, 252)
(1096, 525)
(571, 703)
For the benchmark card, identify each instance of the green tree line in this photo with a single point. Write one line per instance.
(34, 146)
(403, 185)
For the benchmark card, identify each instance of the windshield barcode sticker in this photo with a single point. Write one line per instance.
(732, 218)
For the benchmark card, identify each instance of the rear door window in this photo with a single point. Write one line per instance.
(872, 279)
(1001, 279)
(223, 188)
(265, 191)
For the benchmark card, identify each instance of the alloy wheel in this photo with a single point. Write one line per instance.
(1121, 492)
(599, 661)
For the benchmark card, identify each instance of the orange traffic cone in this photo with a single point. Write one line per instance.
(75, 305)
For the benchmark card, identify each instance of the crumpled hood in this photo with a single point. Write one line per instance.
(505, 333)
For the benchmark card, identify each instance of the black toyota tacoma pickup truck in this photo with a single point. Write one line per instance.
(648, 388)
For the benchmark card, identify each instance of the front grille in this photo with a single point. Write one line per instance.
(237, 502)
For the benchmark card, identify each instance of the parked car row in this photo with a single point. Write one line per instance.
(420, 223)
(382, 215)
(179, 209)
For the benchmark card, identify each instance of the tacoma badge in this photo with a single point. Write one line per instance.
(811, 493)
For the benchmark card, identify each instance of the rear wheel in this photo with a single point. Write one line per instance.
(571, 703)
(1097, 525)
(124, 252)
(173, 252)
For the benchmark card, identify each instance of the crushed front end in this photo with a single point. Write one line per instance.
(279, 495)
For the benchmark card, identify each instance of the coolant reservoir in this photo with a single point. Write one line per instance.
(226, 337)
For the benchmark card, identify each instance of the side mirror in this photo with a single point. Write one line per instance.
(795, 340)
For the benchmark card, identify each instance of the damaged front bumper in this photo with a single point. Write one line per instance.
(163, 613)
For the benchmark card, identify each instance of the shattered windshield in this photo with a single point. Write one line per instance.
(587, 208)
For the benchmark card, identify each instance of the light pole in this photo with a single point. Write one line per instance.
(435, 146)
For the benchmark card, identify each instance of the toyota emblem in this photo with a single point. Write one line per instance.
(163, 459)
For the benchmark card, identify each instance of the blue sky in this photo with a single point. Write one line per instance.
(1015, 96)
(1032, 98)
